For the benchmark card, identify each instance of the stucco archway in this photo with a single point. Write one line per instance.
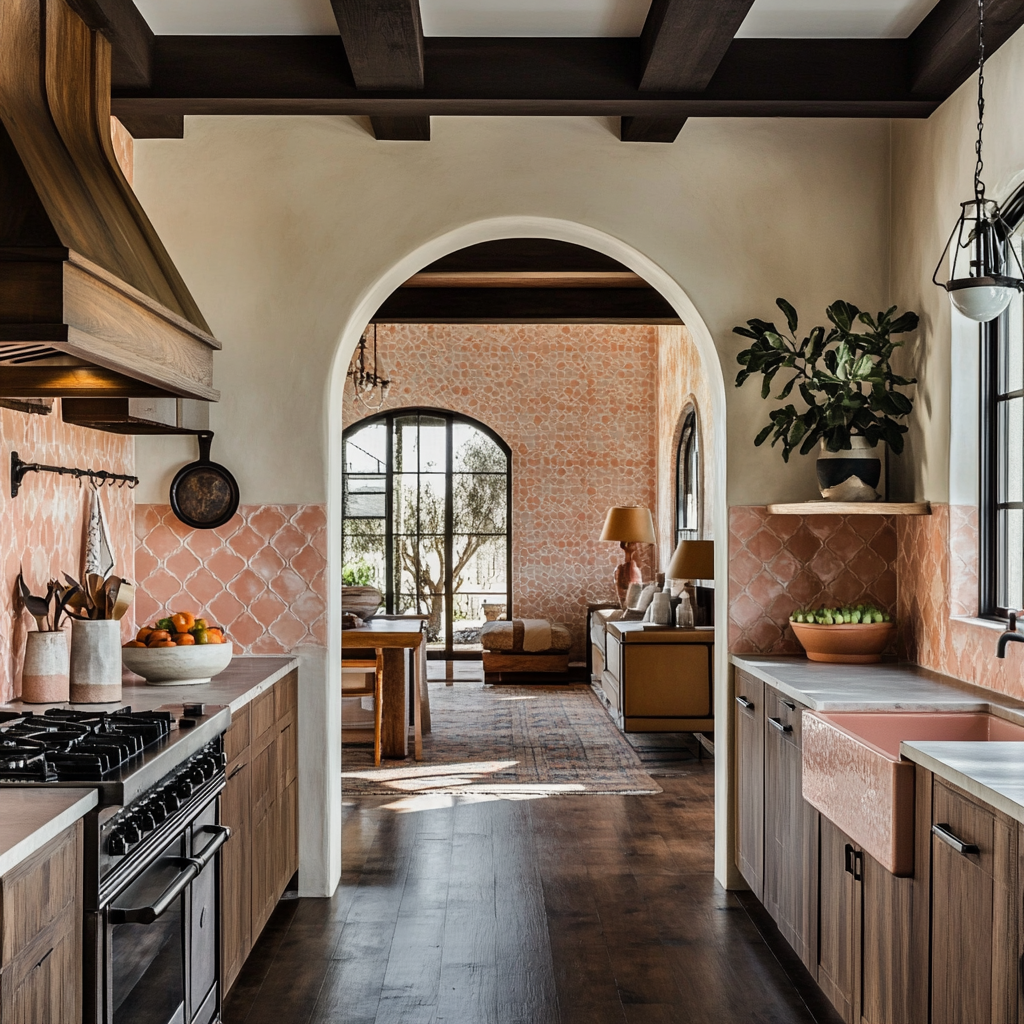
(370, 301)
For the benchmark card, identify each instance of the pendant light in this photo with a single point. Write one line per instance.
(982, 281)
(370, 383)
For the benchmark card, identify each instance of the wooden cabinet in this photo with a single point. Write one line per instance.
(260, 805)
(41, 935)
(790, 830)
(749, 718)
(974, 877)
(839, 929)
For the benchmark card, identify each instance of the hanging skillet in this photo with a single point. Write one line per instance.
(204, 495)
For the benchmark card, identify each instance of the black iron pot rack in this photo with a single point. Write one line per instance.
(19, 469)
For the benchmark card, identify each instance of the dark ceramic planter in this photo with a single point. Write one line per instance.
(851, 475)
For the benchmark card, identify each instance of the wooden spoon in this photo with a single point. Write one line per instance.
(94, 588)
(110, 589)
(125, 596)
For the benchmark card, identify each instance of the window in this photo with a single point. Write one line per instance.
(688, 478)
(426, 520)
(1002, 463)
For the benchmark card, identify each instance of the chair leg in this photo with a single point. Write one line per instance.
(378, 706)
(417, 704)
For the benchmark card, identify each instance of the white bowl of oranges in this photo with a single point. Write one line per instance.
(180, 650)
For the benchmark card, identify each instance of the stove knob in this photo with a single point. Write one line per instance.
(131, 832)
(144, 816)
(170, 800)
(158, 810)
(208, 766)
(184, 788)
(117, 845)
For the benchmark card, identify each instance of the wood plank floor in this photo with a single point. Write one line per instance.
(561, 911)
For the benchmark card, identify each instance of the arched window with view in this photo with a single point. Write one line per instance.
(426, 520)
(688, 478)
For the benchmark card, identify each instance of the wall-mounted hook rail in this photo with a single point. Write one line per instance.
(19, 469)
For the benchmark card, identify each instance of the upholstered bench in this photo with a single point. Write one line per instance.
(520, 647)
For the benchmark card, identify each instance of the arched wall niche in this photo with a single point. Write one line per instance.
(715, 482)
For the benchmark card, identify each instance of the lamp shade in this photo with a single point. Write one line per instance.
(692, 560)
(629, 524)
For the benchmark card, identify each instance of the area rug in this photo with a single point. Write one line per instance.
(508, 741)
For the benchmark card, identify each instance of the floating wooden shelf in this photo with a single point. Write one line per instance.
(852, 508)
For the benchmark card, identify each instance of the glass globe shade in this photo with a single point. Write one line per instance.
(982, 302)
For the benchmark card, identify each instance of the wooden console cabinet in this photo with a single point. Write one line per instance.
(260, 805)
(41, 935)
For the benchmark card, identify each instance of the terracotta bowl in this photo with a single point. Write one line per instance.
(178, 666)
(850, 644)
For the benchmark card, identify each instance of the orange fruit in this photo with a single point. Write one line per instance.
(164, 643)
(183, 621)
(157, 636)
(143, 634)
(184, 639)
(135, 643)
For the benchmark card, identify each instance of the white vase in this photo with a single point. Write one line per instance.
(662, 605)
(44, 679)
(95, 661)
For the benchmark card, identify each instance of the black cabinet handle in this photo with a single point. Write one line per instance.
(946, 834)
(858, 866)
(238, 768)
(789, 704)
(848, 851)
(747, 705)
(45, 958)
(777, 722)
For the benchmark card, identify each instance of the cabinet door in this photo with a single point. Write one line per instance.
(236, 872)
(750, 781)
(974, 966)
(43, 984)
(838, 919)
(264, 869)
(791, 831)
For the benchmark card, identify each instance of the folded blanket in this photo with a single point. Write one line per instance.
(508, 636)
(536, 635)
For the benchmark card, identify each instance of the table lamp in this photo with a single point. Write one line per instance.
(692, 560)
(630, 525)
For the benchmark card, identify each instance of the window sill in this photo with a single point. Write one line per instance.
(968, 620)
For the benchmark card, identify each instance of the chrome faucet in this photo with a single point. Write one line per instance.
(1011, 636)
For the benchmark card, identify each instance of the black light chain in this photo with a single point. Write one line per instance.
(979, 185)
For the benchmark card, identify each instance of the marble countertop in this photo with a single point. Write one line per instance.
(30, 818)
(242, 681)
(886, 686)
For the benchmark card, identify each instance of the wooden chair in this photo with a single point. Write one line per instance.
(372, 686)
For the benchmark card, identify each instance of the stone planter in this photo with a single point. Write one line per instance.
(851, 475)
(44, 679)
(95, 661)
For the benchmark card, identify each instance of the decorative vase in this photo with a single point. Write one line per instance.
(95, 661)
(662, 608)
(362, 601)
(851, 475)
(44, 679)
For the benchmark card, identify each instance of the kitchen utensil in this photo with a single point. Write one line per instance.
(123, 601)
(204, 495)
(94, 587)
(110, 589)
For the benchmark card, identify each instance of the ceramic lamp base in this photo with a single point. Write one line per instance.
(625, 574)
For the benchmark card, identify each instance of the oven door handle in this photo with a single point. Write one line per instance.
(147, 915)
(221, 834)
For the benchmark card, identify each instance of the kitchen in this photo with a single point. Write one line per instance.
(216, 269)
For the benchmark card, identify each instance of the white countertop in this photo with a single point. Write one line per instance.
(31, 817)
(887, 686)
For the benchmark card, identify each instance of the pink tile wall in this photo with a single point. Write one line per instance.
(576, 403)
(42, 528)
(262, 576)
(780, 563)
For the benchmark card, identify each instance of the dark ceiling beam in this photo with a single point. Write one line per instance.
(383, 41)
(130, 37)
(528, 77)
(681, 46)
(944, 47)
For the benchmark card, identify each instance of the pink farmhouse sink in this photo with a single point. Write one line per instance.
(853, 774)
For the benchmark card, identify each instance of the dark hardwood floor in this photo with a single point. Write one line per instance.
(575, 910)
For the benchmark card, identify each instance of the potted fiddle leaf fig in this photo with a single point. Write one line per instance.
(851, 392)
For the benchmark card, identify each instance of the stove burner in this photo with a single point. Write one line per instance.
(63, 743)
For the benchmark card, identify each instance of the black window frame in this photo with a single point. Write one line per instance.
(388, 418)
(688, 469)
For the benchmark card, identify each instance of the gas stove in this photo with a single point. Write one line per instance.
(121, 753)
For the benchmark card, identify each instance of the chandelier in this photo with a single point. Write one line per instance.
(982, 280)
(369, 376)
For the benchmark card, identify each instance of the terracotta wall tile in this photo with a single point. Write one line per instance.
(263, 576)
(42, 528)
(576, 404)
(780, 563)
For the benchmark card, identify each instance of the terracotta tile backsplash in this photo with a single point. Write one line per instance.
(780, 563)
(42, 529)
(262, 576)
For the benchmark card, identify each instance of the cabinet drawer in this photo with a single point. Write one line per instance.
(286, 695)
(784, 715)
(668, 681)
(610, 686)
(263, 711)
(612, 656)
(38, 891)
(236, 739)
(967, 821)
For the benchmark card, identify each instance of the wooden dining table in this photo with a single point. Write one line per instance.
(393, 637)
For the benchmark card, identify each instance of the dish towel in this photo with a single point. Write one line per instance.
(98, 556)
(536, 635)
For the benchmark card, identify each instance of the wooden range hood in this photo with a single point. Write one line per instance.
(91, 306)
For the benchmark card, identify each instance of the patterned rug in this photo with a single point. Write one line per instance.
(509, 741)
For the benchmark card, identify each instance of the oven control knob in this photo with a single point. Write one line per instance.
(184, 788)
(117, 845)
(131, 832)
(146, 819)
(169, 798)
(207, 767)
(158, 809)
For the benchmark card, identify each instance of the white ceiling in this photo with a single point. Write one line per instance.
(767, 18)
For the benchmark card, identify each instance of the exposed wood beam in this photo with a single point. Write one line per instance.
(130, 37)
(944, 47)
(650, 129)
(527, 77)
(155, 126)
(383, 41)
